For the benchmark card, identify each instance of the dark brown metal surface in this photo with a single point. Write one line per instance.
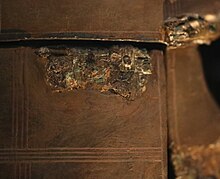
(84, 133)
(191, 100)
(78, 134)
(178, 7)
(194, 125)
(67, 19)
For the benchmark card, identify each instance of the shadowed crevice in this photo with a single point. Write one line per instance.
(211, 66)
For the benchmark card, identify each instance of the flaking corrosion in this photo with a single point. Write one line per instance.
(197, 162)
(122, 70)
(191, 29)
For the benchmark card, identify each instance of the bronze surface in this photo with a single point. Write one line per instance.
(80, 134)
(84, 133)
(194, 115)
(67, 19)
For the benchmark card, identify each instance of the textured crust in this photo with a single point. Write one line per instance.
(122, 70)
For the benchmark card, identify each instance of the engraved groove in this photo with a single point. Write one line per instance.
(13, 101)
(22, 91)
(80, 155)
(83, 161)
(160, 114)
(16, 101)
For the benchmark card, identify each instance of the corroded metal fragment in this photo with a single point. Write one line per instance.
(122, 70)
(197, 162)
(191, 29)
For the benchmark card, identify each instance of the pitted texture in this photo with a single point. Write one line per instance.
(190, 28)
(122, 70)
(197, 161)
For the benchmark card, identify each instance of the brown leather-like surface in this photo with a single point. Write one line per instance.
(78, 134)
(66, 15)
(193, 113)
(103, 19)
(86, 134)
(180, 7)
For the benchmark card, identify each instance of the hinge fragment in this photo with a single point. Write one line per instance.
(191, 29)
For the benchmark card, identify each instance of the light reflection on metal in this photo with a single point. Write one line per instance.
(191, 29)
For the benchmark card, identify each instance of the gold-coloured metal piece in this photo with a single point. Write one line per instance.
(191, 29)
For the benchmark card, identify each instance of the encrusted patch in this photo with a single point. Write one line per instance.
(190, 28)
(197, 161)
(122, 70)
